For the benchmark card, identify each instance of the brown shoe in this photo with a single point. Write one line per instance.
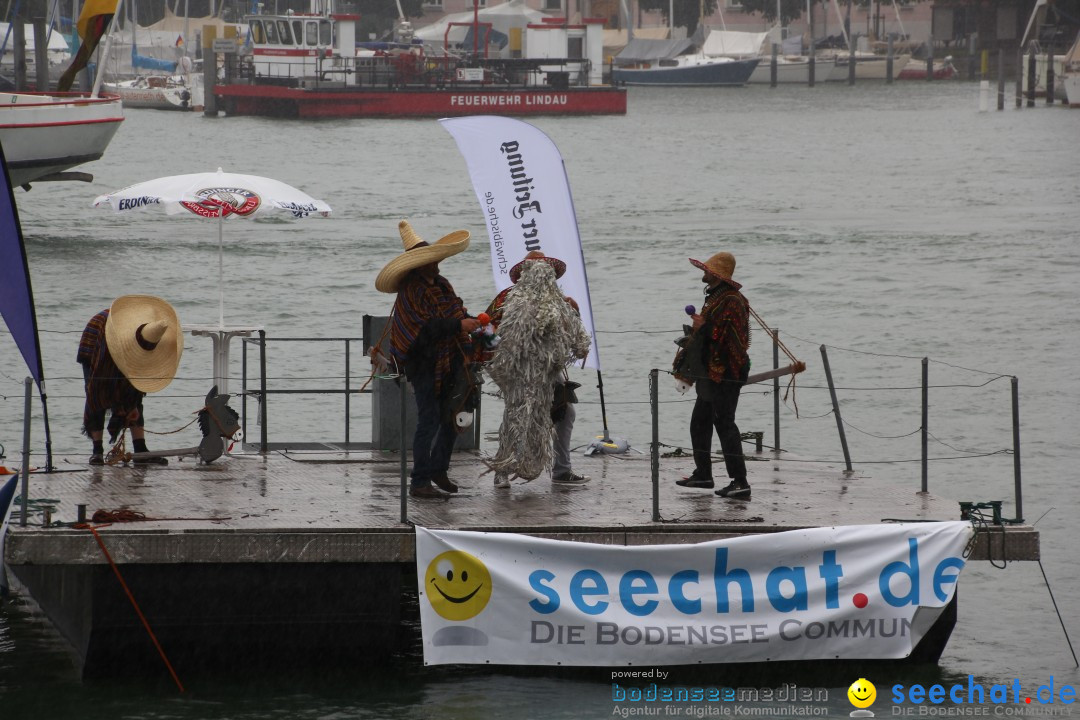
(444, 482)
(427, 492)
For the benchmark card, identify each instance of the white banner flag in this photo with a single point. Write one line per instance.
(854, 592)
(520, 181)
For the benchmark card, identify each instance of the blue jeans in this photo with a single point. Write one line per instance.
(434, 440)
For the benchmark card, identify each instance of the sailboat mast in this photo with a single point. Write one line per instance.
(103, 58)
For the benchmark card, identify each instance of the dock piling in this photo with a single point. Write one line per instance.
(1031, 79)
(1001, 80)
(1050, 77)
(889, 63)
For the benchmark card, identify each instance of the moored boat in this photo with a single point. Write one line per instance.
(160, 92)
(916, 70)
(688, 70)
(44, 134)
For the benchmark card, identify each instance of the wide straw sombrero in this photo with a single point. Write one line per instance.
(720, 265)
(145, 340)
(417, 254)
(558, 265)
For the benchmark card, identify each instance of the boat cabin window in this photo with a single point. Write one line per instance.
(283, 30)
(325, 37)
(258, 35)
(298, 31)
(271, 33)
(312, 36)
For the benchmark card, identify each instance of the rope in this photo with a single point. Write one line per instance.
(131, 597)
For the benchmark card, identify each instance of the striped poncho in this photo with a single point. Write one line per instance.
(426, 326)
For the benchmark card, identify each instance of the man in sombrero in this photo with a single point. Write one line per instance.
(716, 362)
(563, 413)
(429, 341)
(131, 348)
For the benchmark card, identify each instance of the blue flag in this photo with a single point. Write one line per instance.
(16, 296)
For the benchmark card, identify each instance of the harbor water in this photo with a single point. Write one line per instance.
(882, 223)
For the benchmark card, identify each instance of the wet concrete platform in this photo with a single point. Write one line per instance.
(333, 505)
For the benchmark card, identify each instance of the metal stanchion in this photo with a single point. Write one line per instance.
(836, 408)
(654, 402)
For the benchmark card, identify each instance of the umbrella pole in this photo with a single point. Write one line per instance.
(221, 270)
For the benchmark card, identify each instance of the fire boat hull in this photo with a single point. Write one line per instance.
(277, 101)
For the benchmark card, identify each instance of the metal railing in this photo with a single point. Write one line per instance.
(264, 392)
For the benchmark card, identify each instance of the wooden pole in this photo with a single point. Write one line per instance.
(889, 63)
(1019, 77)
(1050, 77)
(813, 62)
(18, 40)
(772, 65)
(1001, 79)
(793, 369)
(41, 56)
(1031, 79)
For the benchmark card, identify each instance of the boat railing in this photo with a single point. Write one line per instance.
(405, 69)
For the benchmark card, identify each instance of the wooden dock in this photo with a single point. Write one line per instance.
(223, 545)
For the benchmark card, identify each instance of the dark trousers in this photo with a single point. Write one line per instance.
(434, 440)
(715, 409)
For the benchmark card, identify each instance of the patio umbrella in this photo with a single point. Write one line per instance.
(218, 195)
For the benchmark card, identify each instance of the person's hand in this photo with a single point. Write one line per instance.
(697, 321)
(470, 325)
(573, 303)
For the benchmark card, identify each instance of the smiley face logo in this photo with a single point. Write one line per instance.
(458, 585)
(862, 693)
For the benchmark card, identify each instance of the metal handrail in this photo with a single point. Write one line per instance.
(263, 392)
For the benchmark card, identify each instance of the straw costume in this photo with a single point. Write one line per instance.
(127, 350)
(541, 334)
(429, 342)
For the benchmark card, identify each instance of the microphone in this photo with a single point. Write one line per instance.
(690, 309)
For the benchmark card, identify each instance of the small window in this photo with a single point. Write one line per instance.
(553, 4)
(325, 37)
(312, 37)
(433, 3)
(258, 35)
(271, 33)
(283, 30)
(298, 31)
